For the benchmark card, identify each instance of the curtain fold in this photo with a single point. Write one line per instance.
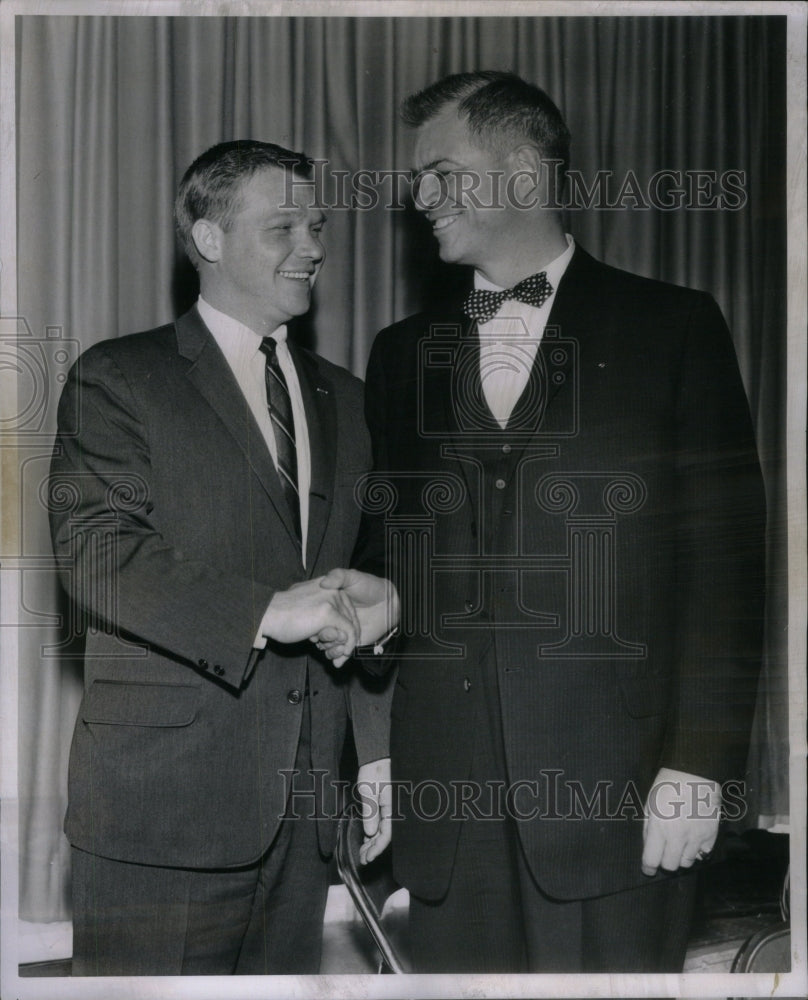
(110, 112)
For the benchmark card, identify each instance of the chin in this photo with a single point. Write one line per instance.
(453, 254)
(449, 255)
(298, 305)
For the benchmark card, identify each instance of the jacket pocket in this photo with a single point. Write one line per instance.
(119, 703)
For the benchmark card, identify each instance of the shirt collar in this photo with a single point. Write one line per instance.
(554, 270)
(227, 327)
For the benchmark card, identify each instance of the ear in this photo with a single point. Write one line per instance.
(207, 237)
(536, 180)
(526, 161)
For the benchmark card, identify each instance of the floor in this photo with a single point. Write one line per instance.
(740, 895)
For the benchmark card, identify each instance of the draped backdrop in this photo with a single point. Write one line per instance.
(111, 110)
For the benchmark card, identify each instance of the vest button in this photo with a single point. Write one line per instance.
(500, 484)
(506, 449)
(294, 697)
(466, 685)
(469, 605)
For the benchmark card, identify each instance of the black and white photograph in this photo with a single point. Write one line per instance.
(402, 465)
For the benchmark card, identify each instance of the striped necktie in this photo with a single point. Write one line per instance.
(279, 403)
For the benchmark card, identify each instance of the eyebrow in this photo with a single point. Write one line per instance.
(434, 163)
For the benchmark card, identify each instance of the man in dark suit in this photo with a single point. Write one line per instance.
(202, 484)
(567, 477)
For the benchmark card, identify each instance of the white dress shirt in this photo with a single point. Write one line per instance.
(241, 347)
(510, 340)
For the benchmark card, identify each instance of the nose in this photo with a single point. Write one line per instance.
(430, 190)
(310, 247)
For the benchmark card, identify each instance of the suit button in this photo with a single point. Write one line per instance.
(506, 449)
(203, 664)
(466, 685)
(500, 484)
(294, 696)
(218, 670)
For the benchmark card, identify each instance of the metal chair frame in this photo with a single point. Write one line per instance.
(349, 837)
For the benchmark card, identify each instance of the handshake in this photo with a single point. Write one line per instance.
(338, 612)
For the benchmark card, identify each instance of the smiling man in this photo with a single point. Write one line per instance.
(208, 469)
(575, 481)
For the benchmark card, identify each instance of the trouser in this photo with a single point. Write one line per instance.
(265, 918)
(495, 918)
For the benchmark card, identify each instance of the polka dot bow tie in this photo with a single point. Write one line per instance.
(483, 304)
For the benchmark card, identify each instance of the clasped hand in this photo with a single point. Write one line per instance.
(338, 612)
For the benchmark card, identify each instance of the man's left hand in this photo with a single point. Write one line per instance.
(376, 795)
(681, 821)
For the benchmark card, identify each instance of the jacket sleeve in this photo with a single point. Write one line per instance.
(113, 561)
(370, 689)
(369, 700)
(370, 552)
(719, 537)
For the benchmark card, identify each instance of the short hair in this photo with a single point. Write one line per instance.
(211, 187)
(499, 107)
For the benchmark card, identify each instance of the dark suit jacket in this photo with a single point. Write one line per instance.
(626, 628)
(172, 534)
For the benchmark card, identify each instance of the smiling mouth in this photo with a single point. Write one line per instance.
(296, 275)
(444, 222)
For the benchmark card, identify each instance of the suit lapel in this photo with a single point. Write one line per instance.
(574, 314)
(464, 402)
(454, 391)
(535, 425)
(554, 370)
(211, 375)
(320, 405)
(455, 388)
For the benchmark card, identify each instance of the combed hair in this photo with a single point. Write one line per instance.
(499, 107)
(211, 187)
